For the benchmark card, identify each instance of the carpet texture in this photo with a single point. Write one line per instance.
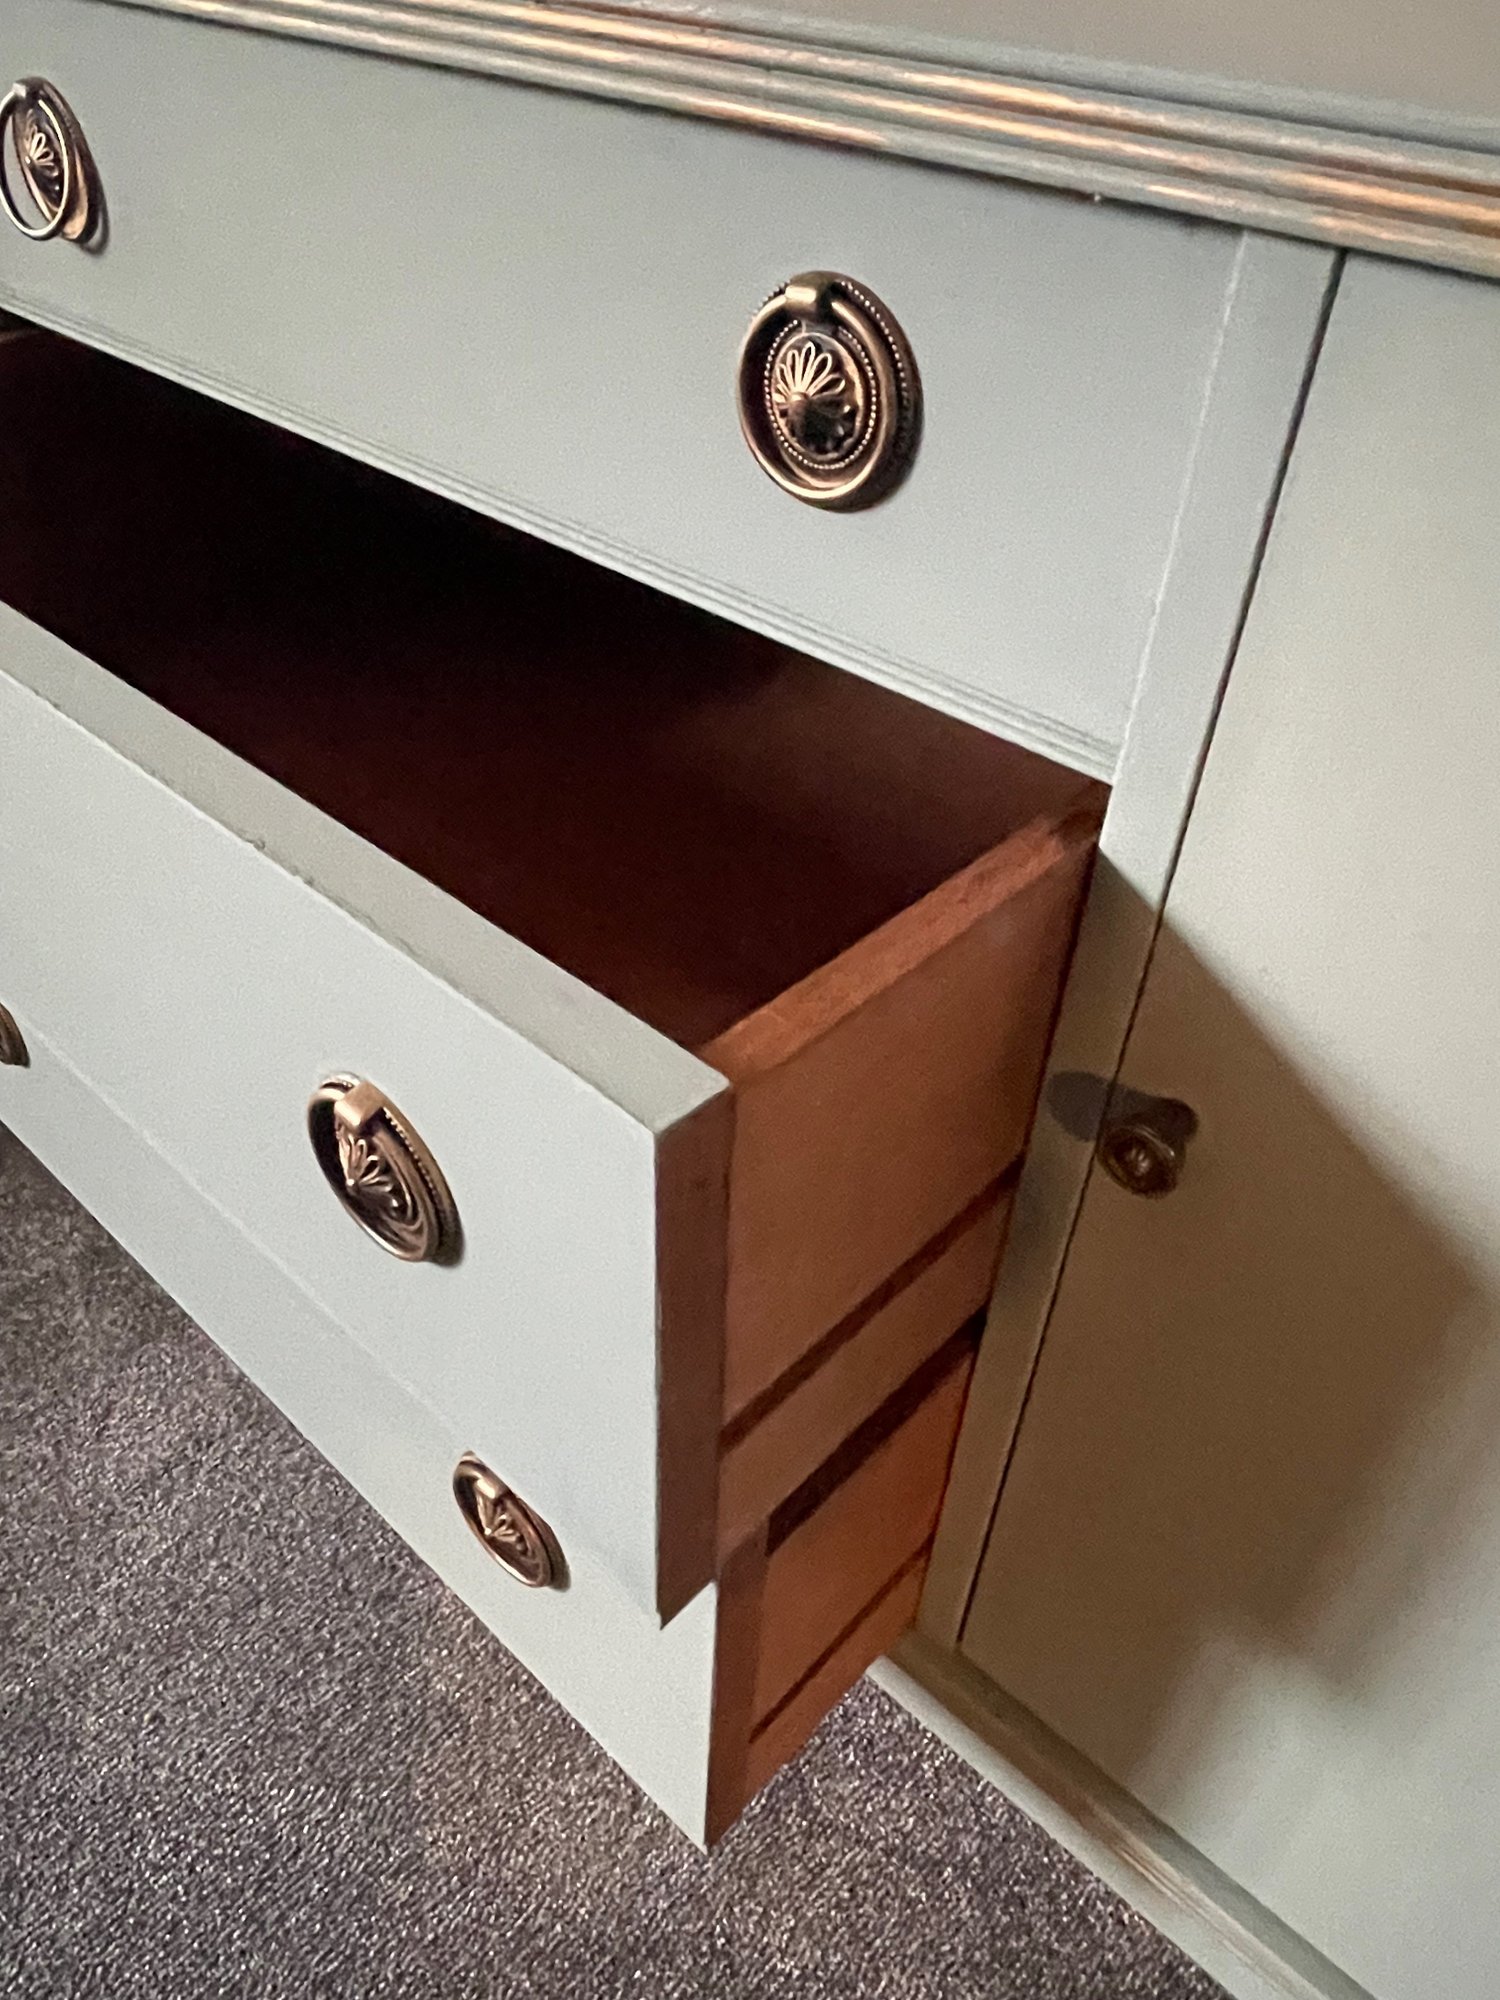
(252, 1748)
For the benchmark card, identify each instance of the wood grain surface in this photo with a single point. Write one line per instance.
(877, 1099)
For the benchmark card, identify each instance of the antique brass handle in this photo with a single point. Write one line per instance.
(54, 161)
(829, 397)
(380, 1170)
(517, 1538)
(12, 1041)
(1143, 1146)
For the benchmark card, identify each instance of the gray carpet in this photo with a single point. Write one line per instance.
(251, 1748)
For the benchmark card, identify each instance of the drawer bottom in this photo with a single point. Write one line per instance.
(701, 1711)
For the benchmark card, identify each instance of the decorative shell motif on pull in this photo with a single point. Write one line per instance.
(505, 1528)
(376, 1187)
(816, 397)
(40, 160)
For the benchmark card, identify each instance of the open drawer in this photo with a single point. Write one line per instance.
(710, 983)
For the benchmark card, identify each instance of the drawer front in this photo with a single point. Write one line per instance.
(206, 991)
(702, 1712)
(534, 302)
(642, 1691)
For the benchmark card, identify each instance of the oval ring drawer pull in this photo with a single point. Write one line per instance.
(518, 1540)
(382, 1173)
(829, 397)
(54, 161)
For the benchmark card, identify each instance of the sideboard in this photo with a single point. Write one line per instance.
(748, 813)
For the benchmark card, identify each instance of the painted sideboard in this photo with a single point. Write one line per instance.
(703, 923)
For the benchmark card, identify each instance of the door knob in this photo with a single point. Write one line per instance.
(1144, 1143)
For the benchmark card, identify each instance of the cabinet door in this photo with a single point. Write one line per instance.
(1248, 1555)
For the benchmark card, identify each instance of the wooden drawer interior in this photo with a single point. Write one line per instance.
(689, 818)
(857, 909)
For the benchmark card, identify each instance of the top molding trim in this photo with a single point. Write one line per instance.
(1358, 190)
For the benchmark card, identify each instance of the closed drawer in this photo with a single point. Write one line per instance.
(715, 981)
(534, 302)
(699, 1712)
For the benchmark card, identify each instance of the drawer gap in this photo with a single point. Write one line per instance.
(862, 1443)
(984, 1206)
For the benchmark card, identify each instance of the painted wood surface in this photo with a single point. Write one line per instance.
(1272, 327)
(707, 827)
(947, 87)
(1377, 67)
(558, 348)
(1245, 1556)
(1235, 1939)
(643, 1692)
(208, 989)
(675, 1706)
